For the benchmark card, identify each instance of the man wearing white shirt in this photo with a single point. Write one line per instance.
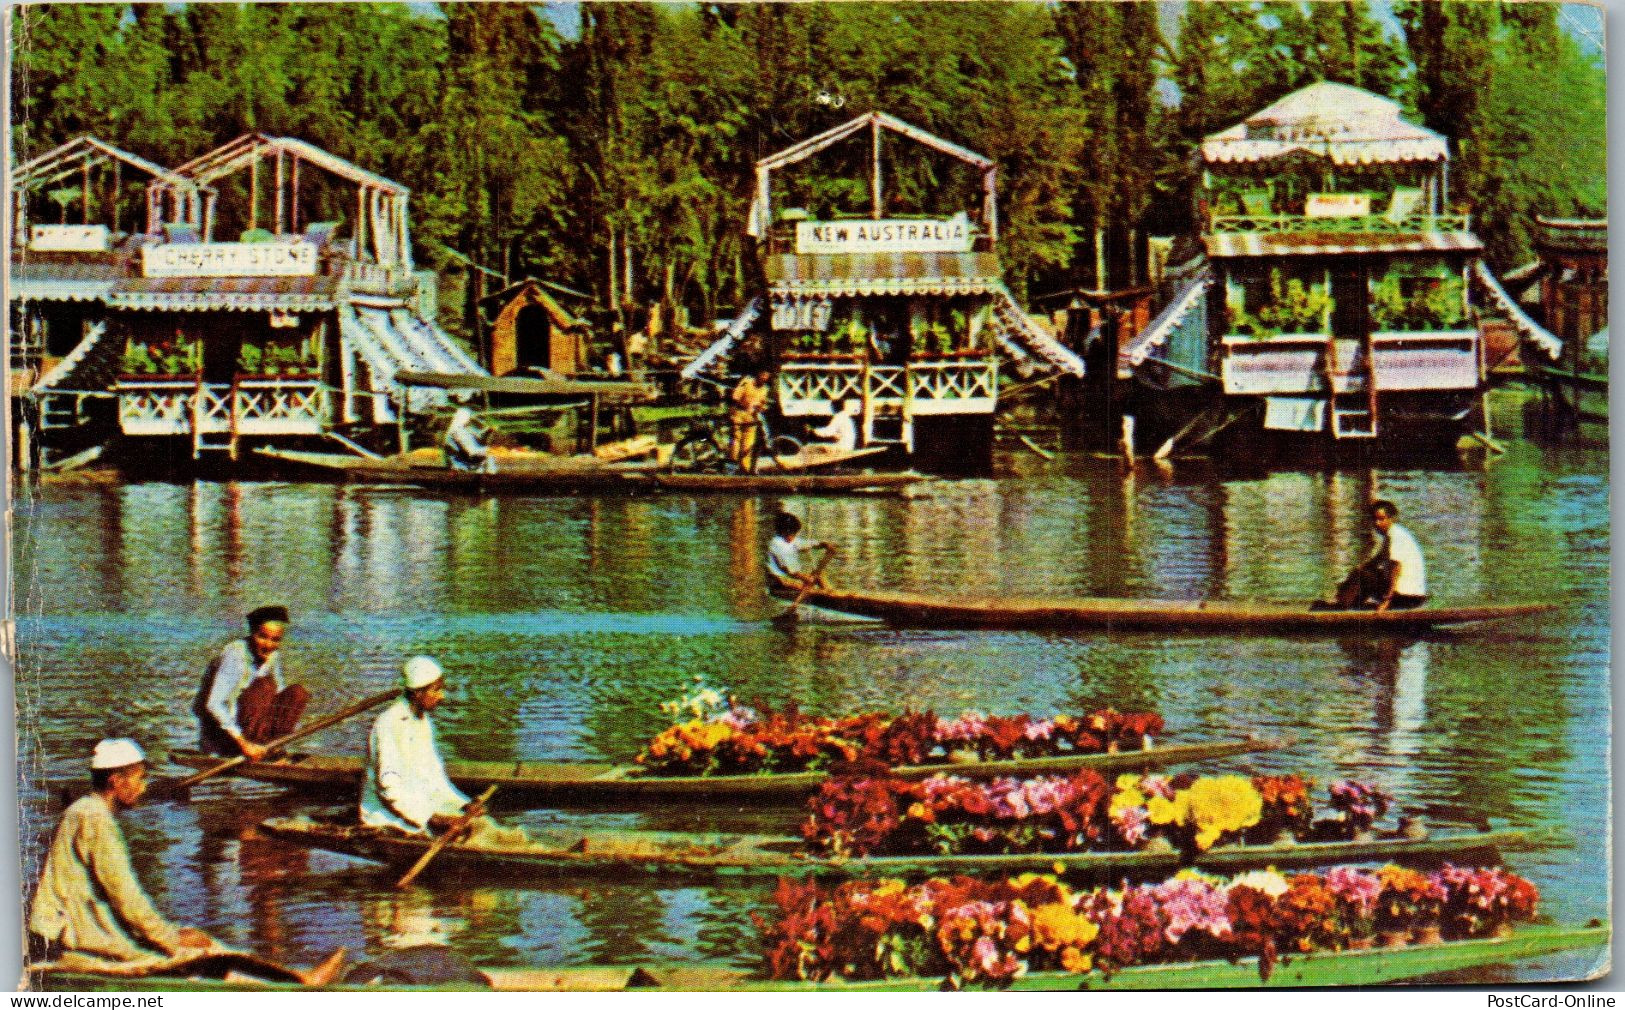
(841, 433)
(785, 576)
(406, 785)
(1394, 576)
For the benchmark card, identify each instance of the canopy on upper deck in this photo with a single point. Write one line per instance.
(1341, 123)
(883, 273)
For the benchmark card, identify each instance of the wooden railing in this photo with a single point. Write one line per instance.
(247, 407)
(920, 387)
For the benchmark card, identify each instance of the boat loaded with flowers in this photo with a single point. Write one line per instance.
(1038, 929)
(718, 750)
(1345, 926)
(1077, 825)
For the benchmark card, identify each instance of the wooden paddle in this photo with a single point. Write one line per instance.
(445, 839)
(299, 734)
(789, 616)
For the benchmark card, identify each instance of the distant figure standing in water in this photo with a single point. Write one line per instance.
(242, 702)
(785, 576)
(1393, 577)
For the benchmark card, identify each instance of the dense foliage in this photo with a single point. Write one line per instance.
(610, 146)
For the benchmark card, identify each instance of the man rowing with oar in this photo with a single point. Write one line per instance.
(90, 912)
(406, 787)
(242, 703)
(785, 576)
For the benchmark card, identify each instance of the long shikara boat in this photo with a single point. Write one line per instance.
(660, 853)
(581, 783)
(915, 610)
(1332, 968)
(574, 475)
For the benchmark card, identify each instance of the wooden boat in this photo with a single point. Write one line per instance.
(585, 475)
(585, 784)
(1104, 614)
(661, 853)
(1339, 968)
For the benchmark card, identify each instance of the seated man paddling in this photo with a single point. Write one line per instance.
(1393, 576)
(785, 576)
(242, 703)
(90, 912)
(406, 786)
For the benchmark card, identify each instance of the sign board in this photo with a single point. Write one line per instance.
(69, 238)
(1337, 205)
(229, 259)
(884, 235)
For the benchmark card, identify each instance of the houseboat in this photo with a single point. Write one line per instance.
(175, 343)
(1337, 293)
(903, 313)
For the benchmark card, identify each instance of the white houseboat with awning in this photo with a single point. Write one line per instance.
(906, 317)
(296, 326)
(1338, 294)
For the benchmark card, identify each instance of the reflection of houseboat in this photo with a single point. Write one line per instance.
(1332, 296)
(906, 316)
(297, 328)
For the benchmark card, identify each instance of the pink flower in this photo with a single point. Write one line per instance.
(1131, 824)
(1357, 888)
(1192, 904)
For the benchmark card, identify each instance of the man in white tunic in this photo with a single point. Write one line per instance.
(406, 785)
(1393, 577)
(89, 903)
(841, 433)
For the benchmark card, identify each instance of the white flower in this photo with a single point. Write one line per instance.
(1267, 881)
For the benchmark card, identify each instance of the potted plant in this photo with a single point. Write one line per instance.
(250, 359)
(1295, 307)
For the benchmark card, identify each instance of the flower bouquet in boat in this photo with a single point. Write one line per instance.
(722, 737)
(992, 933)
(949, 815)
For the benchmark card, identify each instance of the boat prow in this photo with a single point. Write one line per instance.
(1188, 616)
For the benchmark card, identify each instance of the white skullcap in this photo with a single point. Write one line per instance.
(420, 671)
(120, 752)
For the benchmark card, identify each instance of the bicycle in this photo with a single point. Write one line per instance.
(703, 445)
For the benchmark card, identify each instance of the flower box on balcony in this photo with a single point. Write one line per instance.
(278, 377)
(792, 358)
(963, 355)
(142, 378)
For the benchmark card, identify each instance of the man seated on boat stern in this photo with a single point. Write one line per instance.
(1393, 576)
(89, 903)
(242, 703)
(464, 448)
(840, 435)
(785, 575)
(406, 786)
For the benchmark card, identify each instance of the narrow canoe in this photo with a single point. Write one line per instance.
(1341, 968)
(570, 475)
(816, 457)
(661, 853)
(1105, 614)
(579, 783)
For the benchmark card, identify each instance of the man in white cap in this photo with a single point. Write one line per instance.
(89, 901)
(406, 785)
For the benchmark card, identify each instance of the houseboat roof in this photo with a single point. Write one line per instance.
(237, 154)
(883, 273)
(79, 154)
(65, 277)
(1231, 245)
(1339, 122)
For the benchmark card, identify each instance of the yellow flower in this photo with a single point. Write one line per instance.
(1056, 925)
(1165, 811)
(888, 888)
(1216, 804)
(1076, 961)
(1128, 795)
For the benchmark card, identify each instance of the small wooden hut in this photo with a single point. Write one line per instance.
(533, 331)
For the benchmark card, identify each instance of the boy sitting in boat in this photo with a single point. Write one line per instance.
(1393, 576)
(464, 449)
(406, 787)
(785, 576)
(840, 435)
(242, 703)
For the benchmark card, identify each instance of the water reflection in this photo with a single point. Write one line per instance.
(565, 622)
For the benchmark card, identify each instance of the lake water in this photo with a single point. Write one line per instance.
(564, 622)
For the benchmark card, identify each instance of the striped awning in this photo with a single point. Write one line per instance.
(232, 294)
(63, 279)
(927, 273)
(1231, 245)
